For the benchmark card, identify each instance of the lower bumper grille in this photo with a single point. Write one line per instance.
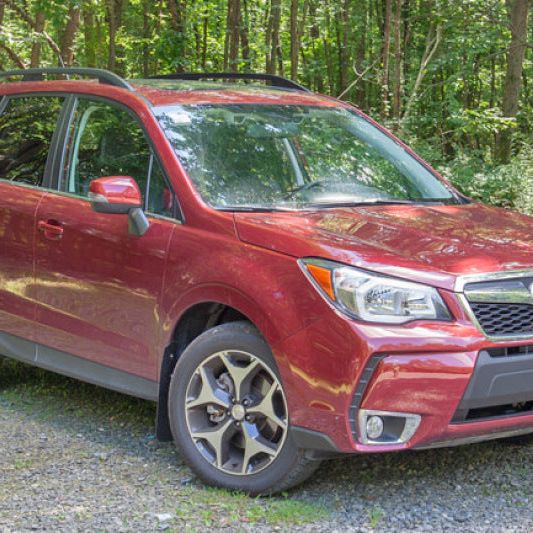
(500, 386)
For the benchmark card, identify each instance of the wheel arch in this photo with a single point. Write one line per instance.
(193, 321)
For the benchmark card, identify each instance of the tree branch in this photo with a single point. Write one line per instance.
(13, 55)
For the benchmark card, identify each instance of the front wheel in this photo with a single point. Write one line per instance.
(229, 416)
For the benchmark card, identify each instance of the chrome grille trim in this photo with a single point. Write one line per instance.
(461, 281)
(498, 296)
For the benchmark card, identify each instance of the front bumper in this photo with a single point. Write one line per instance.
(436, 370)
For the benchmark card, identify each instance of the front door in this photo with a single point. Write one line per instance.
(98, 287)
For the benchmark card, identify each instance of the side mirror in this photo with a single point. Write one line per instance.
(119, 195)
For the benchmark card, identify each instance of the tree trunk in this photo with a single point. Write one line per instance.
(205, 31)
(35, 58)
(360, 58)
(178, 10)
(89, 35)
(397, 89)
(146, 37)
(112, 27)
(67, 42)
(244, 35)
(275, 13)
(344, 56)
(231, 43)
(513, 77)
(385, 59)
(295, 39)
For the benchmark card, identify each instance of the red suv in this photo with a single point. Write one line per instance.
(283, 276)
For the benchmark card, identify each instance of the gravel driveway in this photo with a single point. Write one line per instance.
(78, 458)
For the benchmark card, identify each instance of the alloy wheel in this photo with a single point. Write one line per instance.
(236, 412)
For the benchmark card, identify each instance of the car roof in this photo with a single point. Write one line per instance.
(160, 92)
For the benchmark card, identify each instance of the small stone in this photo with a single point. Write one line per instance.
(164, 517)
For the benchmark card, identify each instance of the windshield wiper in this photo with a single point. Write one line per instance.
(359, 204)
(302, 188)
(251, 208)
(375, 202)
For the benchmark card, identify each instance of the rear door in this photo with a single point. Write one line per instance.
(27, 131)
(98, 286)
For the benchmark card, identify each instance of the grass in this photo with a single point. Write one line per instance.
(68, 404)
(236, 507)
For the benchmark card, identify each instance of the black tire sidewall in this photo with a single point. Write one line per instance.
(233, 336)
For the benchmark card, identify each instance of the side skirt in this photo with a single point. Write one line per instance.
(77, 367)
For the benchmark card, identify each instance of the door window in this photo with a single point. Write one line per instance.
(107, 140)
(27, 126)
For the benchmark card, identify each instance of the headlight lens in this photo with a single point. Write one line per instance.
(375, 298)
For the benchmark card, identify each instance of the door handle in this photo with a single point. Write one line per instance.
(52, 229)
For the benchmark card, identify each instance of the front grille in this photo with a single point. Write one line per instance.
(504, 319)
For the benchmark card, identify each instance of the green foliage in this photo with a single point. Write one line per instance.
(455, 108)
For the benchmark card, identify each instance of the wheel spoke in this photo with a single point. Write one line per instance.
(254, 443)
(210, 392)
(241, 375)
(266, 407)
(218, 438)
(234, 425)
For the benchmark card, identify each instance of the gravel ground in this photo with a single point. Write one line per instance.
(78, 458)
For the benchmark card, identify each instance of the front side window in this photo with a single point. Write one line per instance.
(106, 140)
(27, 126)
(290, 156)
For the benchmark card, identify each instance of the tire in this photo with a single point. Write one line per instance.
(225, 362)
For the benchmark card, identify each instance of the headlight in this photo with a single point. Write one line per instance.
(372, 297)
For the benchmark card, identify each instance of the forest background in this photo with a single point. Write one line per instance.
(453, 78)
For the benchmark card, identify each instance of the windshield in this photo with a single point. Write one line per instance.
(293, 157)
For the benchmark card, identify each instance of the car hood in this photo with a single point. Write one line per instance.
(431, 244)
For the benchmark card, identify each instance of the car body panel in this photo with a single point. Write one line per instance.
(98, 288)
(111, 299)
(431, 244)
(18, 205)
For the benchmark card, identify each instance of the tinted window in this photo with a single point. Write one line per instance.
(106, 140)
(26, 129)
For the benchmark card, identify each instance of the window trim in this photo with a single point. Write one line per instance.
(47, 181)
(62, 151)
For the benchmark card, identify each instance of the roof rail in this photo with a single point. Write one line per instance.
(274, 81)
(103, 76)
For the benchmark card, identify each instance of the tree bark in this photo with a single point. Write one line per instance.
(178, 10)
(385, 60)
(360, 58)
(344, 55)
(397, 89)
(295, 39)
(89, 34)
(67, 42)
(244, 35)
(519, 11)
(35, 58)
(231, 43)
(275, 13)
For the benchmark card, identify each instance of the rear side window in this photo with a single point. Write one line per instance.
(106, 140)
(27, 126)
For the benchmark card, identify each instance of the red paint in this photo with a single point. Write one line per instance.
(117, 190)
(102, 294)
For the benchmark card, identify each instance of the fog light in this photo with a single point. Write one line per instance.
(374, 427)
(386, 427)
